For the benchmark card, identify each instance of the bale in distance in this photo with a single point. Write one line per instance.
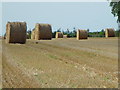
(59, 35)
(64, 36)
(82, 34)
(109, 32)
(16, 32)
(43, 31)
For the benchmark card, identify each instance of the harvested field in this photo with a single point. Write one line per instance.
(0, 63)
(64, 63)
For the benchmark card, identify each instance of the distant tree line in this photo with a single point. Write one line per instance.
(72, 33)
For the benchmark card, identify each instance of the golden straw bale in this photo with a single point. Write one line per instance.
(43, 31)
(16, 32)
(59, 35)
(82, 34)
(109, 32)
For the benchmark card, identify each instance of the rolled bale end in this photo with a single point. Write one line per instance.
(109, 32)
(43, 32)
(65, 36)
(59, 35)
(82, 34)
(16, 32)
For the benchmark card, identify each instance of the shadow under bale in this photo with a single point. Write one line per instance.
(16, 32)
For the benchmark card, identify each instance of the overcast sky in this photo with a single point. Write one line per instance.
(83, 15)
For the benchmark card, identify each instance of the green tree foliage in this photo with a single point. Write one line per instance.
(102, 33)
(97, 34)
(53, 34)
(59, 30)
(116, 12)
(117, 33)
(29, 34)
(116, 9)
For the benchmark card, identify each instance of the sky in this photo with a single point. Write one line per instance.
(58, 0)
(94, 16)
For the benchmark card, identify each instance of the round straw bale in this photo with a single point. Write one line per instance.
(16, 32)
(82, 34)
(43, 31)
(59, 35)
(109, 32)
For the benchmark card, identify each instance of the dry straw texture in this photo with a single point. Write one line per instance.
(33, 34)
(16, 32)
(109, 32)
(59, 35)
(43, 31)
(82, 34)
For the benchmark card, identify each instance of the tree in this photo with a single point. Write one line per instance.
(102, 33)
(68, 31)
(53, 34)
(88, 32)
(29, 34)
(116, 11)
(59, 30)
(74, 32)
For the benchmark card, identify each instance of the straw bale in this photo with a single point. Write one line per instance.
(59, 35)
(43, 31)
(109, 32)
(82, 34)
(16, 32)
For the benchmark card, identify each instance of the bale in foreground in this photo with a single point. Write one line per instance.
(43, 31)
(109, 32)
(59, 35)
(16, 32)
(82, 34)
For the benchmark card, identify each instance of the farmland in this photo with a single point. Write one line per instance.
(61, 63)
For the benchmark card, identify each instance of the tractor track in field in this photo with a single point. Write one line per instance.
(14, 75)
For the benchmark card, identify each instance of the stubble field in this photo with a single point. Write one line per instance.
(62, 63)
